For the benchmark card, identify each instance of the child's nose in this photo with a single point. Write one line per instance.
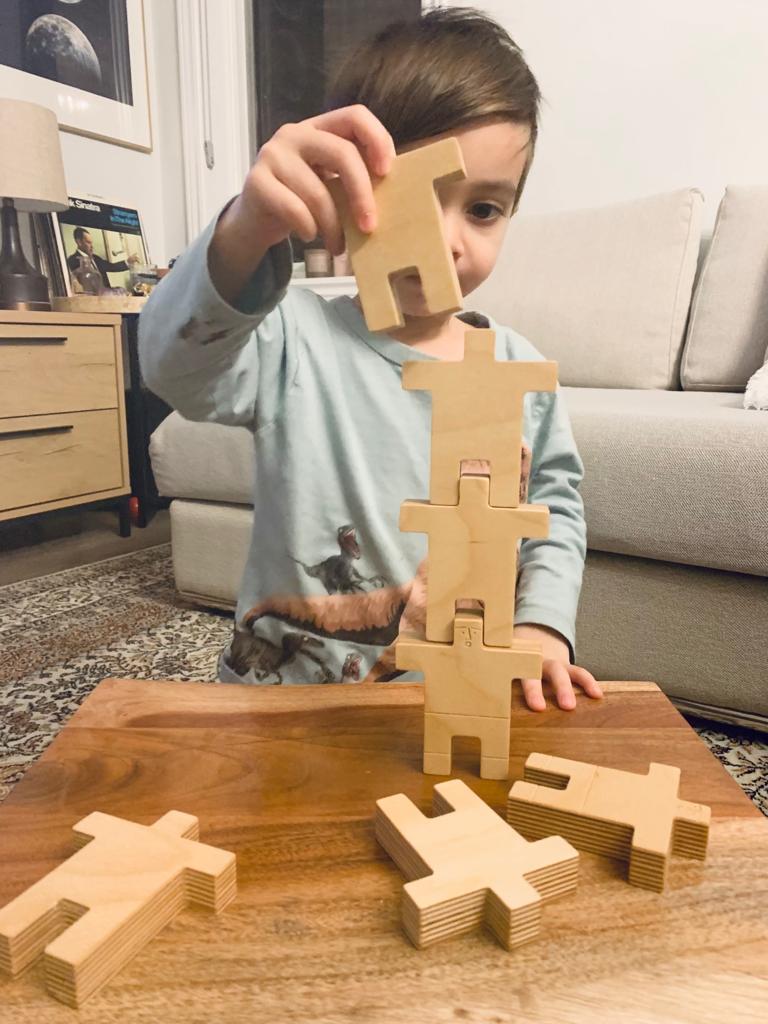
(454, 235)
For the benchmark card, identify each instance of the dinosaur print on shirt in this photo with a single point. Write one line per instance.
(348, 612)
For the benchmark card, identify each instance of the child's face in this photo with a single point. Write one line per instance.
(476, 209)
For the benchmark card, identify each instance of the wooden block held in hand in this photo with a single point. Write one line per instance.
(409, 236)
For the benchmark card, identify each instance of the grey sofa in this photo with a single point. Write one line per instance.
(656, 331)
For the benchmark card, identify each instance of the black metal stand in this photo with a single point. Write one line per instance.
(124, 512)
(144, 412)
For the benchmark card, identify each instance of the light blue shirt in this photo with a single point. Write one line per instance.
(339, 445)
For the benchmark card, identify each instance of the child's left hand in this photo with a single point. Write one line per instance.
(556, 670)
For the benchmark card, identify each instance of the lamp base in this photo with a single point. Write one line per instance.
(21, 285)
(27, 291)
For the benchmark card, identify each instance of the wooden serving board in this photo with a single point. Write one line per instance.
(288, 778)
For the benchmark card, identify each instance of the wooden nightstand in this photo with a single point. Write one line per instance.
(62, 412)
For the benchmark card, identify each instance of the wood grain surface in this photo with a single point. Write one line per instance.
(473, 554)
(100, 303)
(408, 237)
(287, 777)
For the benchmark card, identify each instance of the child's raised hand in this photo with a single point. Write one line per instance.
(285, 190)
(556, 670)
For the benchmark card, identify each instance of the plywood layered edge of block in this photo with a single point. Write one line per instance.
(94, 911)
(630, 816)
(466, 866)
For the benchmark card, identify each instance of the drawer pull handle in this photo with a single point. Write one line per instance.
(36, 431)
(32, 341)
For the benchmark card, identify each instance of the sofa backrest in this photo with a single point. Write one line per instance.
(606, 292)
(728, 329)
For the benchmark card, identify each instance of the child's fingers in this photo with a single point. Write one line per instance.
(533, 694)
(359, 125)
(304, 183)
(322, 151)
(560, 679)
(586, 681)
(329, 152)
(281, 204)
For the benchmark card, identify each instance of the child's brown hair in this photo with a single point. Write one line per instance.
(444, 70)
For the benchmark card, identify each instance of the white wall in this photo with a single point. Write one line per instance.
(215, 107)
(152, 183)
(642, 98)
(637, 100)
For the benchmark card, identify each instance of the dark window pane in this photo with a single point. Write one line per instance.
(298, 44)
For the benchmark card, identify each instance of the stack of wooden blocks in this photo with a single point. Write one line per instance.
(474, 522)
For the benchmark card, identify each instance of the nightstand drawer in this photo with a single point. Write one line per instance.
(47, 368)
(50, 458)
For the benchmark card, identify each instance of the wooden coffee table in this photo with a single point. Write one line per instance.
(287, 777)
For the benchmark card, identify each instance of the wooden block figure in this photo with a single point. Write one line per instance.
(473, 555)
(409, 235)
(620, 814)
(466, 867)
(94, 912)
(468, 692)
(474, 523)
(477, 413)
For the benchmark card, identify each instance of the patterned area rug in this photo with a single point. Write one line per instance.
(62, 634)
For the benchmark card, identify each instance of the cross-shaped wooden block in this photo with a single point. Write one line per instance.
(409, 236)
(620, 814)
(473, 556)
(477, 867)
(477, 413)
(92, 913)
(467, 692)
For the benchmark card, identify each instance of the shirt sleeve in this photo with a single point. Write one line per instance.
(550, 569)
(110, 268)
(209, 359)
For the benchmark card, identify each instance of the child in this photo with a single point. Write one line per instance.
(339, 445)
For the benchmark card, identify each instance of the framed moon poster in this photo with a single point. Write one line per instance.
(84, 59)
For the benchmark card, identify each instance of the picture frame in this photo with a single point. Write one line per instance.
(98, 245)
(85, 60)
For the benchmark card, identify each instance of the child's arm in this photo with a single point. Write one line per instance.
(551, 568)
(199, 345)
(212, 360)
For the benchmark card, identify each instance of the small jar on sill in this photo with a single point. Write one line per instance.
(317, 259)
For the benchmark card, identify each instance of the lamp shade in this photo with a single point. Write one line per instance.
(31, 167)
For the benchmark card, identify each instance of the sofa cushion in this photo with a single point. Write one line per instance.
(605, 291)
(728, 329)
(206, 461)
(679, 476)
(675, 476)
(698, 633)
(210, 549)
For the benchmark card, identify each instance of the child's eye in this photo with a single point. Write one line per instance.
(486, 211)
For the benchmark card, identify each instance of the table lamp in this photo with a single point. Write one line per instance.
(31, 180)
